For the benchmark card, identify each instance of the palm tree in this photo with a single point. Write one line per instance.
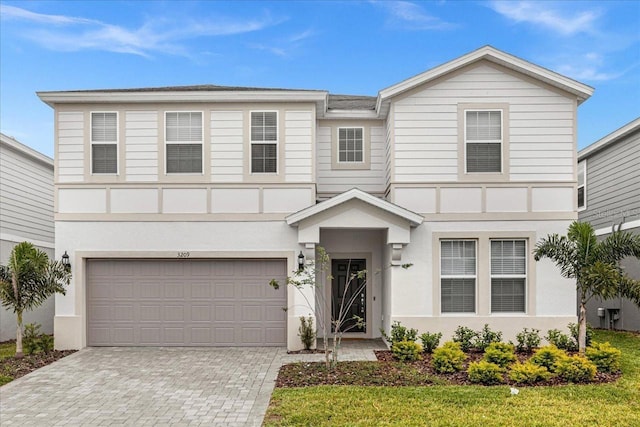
(28, 279)
(593, 264)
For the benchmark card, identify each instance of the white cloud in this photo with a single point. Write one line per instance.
(411, 16)
(286, 45)
(154, 36)
(588, 67)
(546, 15)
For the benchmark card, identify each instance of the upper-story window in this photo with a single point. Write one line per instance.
(458, 276)
(183, 136)
(264, 142)
(104, 143)
(483, 141)
(508, 275)
(350, 145)
(582, 185)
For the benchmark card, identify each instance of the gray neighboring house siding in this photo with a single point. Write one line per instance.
(26, 213)
(613, 200)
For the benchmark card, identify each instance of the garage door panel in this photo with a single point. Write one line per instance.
(185, 302)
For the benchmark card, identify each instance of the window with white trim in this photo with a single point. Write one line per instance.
(264, 142)
(483, 141)
(458, 276)
(582, 185)
(350, 145)
(508, 276)
(104, 143)
(183, 141)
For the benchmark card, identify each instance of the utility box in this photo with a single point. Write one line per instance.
(601, 311)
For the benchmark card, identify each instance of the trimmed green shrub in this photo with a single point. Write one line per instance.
(465, 337)
(307, 332)
(573, 330)
(484, 372)
(560, 340)
(528, 373)
(430, 341)
(605, 356)
(46, 343)
(500, 353)
(486, 337)
(528, 340)
(406, 351)
(548, 357)
(400, 333)
(576, 369)
(449, 358)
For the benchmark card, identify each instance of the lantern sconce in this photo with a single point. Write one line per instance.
(300, 261)
(65, 261)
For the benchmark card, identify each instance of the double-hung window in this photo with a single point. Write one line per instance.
(458, 276)
(582, 185)
(508, 276)
(183, 136)
(104, 143)
(264, 142)
(483, 141)
(350, 145)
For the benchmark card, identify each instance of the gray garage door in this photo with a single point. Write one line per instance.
(185, 303)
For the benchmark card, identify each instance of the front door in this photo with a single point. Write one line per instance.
(349, 293)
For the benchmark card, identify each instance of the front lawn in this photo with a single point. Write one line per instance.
(12, 368)
(615, 403)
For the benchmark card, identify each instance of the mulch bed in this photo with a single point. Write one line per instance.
(389, 372)
(16, 368)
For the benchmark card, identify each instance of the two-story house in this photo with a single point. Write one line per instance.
(178, 205)
(609, 198)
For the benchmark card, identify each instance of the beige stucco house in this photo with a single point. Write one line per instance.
(179, 204)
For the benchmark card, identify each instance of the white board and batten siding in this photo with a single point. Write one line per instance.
(141, 137)
(298, 158)
(540, 127)
(227, 147)
(70, 156)
(334, 181)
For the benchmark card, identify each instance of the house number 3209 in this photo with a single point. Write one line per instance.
(183, 254)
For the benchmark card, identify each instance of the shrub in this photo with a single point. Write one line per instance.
(604, 356)
(406, 351)
(486, 337)
(399, 333)
(307, 332)
(560, 340)
(484, 372)
(528, 373)
(449, 358)
(573, 329)
(31, 338)
(548, 357)
(430, 341)
(46, 343)
(576, 369)
(500, 353)
(528, 340)
(465, 337)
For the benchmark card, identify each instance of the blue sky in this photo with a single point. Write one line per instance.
(345, 47)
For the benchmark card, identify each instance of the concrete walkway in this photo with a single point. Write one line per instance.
(155, 386)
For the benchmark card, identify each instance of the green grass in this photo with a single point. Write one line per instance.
(7, 349)
(606, 404)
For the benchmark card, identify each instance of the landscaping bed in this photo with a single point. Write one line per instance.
(12, 368)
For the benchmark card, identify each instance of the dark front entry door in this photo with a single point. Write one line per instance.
(346, 287)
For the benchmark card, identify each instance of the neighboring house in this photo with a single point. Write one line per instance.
(609, 198)
(26, 214)
(178, 205)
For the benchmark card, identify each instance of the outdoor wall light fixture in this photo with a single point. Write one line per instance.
(300, 261)
(65, 261)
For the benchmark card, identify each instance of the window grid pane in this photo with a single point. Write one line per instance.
(104, 127)
(483, 139)
(350, 145)
(264, 158)
(184, 158)
(508, 275)
(507, 295)
(458, 271)
(264, 126)
(104, 158)
(184, 127)
(484, 126)
(458, 295)
(484, 157)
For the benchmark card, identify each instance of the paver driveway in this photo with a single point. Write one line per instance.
(152, 387)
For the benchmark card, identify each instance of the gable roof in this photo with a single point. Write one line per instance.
(610, 139)
(355, 194)
(496, 56)
(29, 152)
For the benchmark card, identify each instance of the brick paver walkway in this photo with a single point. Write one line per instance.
(155, 386)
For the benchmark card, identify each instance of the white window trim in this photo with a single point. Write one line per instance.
(183, 142)
(584, 185)
(524, 276)
(501, 140)
(276, 143)
(117, 143)
(364, 148)
(460, 276)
